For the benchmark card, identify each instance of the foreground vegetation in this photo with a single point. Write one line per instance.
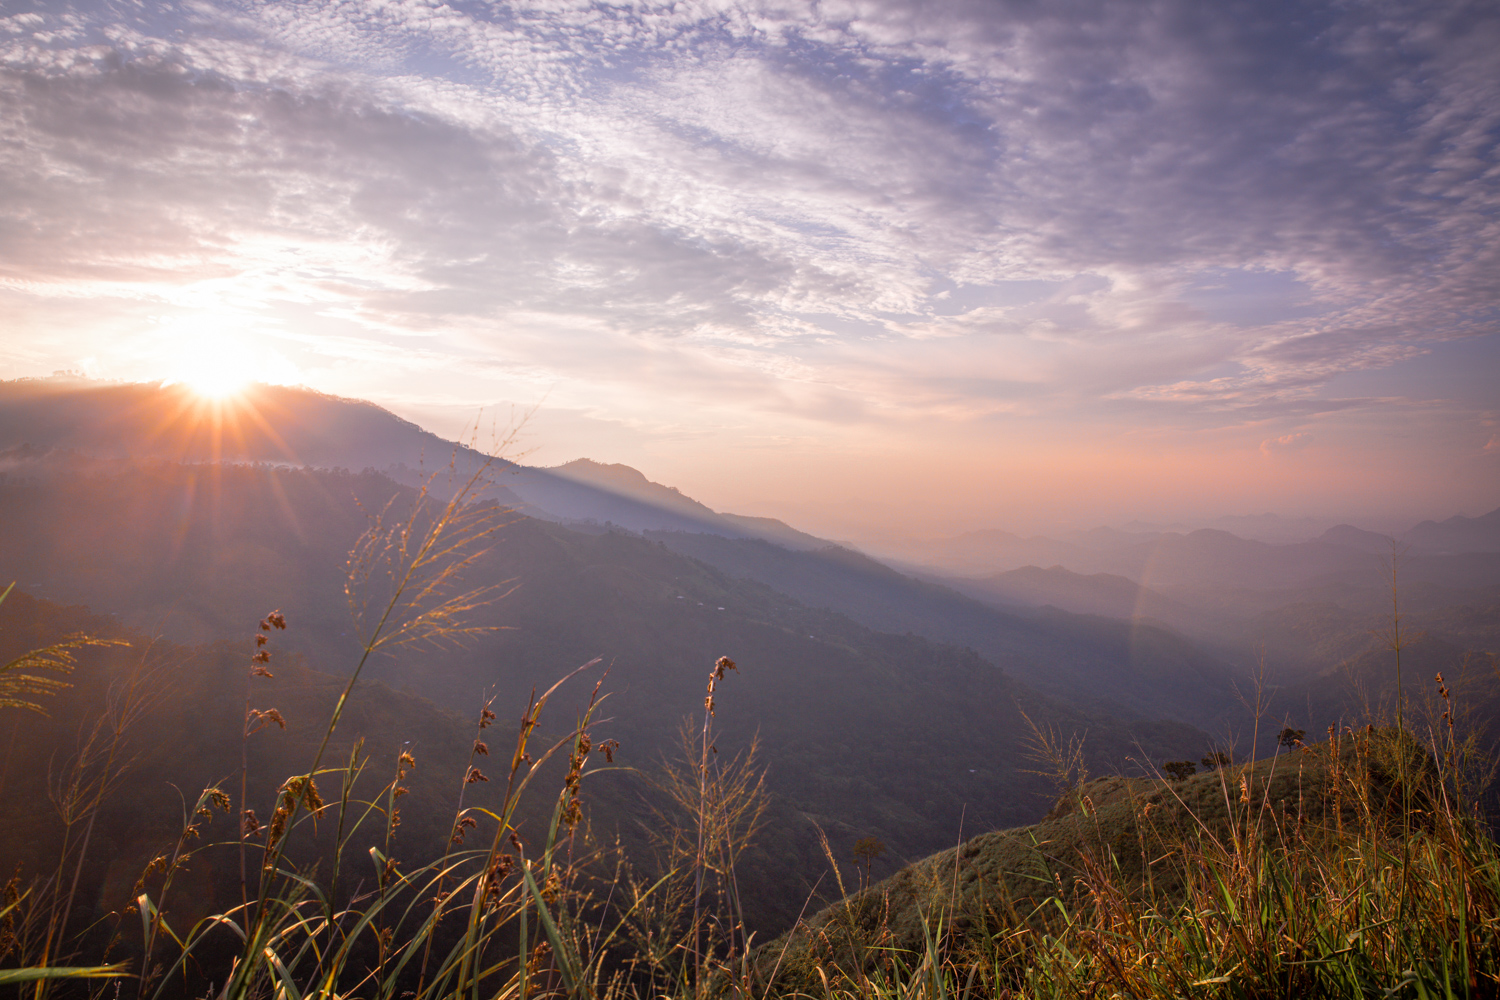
(1357, 866)
(1299, 876)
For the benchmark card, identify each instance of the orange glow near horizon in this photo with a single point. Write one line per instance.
(215, 419)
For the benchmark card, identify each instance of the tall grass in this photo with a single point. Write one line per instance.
(34, 922)
(1357, 867)
(507, 911)
(1301, 876)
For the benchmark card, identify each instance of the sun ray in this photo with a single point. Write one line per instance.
(215, 366)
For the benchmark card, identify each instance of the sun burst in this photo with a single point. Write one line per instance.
(216, 367)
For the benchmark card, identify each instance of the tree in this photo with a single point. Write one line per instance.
(1215, 759)
(1290, 738)
(866, 850)
(1180, 769)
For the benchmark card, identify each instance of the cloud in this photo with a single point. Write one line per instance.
(785, 205)
(1285, 443)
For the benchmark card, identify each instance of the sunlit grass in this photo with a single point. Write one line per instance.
(1355, 867)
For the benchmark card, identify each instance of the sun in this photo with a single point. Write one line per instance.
(216, 367)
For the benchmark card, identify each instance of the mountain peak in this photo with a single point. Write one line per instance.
(1458, 534)
(1351, 537)
(606, 473)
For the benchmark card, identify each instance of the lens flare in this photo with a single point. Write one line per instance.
(215, 366)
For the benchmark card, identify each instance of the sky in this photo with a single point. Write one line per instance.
(868, 265)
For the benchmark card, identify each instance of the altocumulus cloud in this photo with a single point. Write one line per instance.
(1287, 442)
(833, 210)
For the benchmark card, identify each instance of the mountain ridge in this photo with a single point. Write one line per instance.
(294, 426)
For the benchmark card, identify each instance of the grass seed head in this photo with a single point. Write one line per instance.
(261, 719)
(464, 823)
(218, 797)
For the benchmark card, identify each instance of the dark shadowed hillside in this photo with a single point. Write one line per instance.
(864, 732)
(1084, 659)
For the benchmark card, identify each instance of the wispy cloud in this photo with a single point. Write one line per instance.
(1287, 442)
(836, 211)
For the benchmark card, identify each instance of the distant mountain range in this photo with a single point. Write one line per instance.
(1461, 551)
(592, 492)
(1137, 667)
(866, 732)
(890, 699)
(1457, 534)
(1096, 594)
(1208, 584)
(297, 426)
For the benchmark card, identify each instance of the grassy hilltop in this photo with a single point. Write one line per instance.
(330, 810)
(1309, 874)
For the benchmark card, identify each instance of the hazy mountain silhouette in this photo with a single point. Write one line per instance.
(296, 426)
(1094, 594)
(1093, 660)
(1453, 553)
(1361, 688)
(1357, 539)
(873, 733)
(1289, 631)
(1212, 556)
(1458, 534)
(269, 423)
(593, 492)
(976, 553)
(1210, 585)
(887, 705)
